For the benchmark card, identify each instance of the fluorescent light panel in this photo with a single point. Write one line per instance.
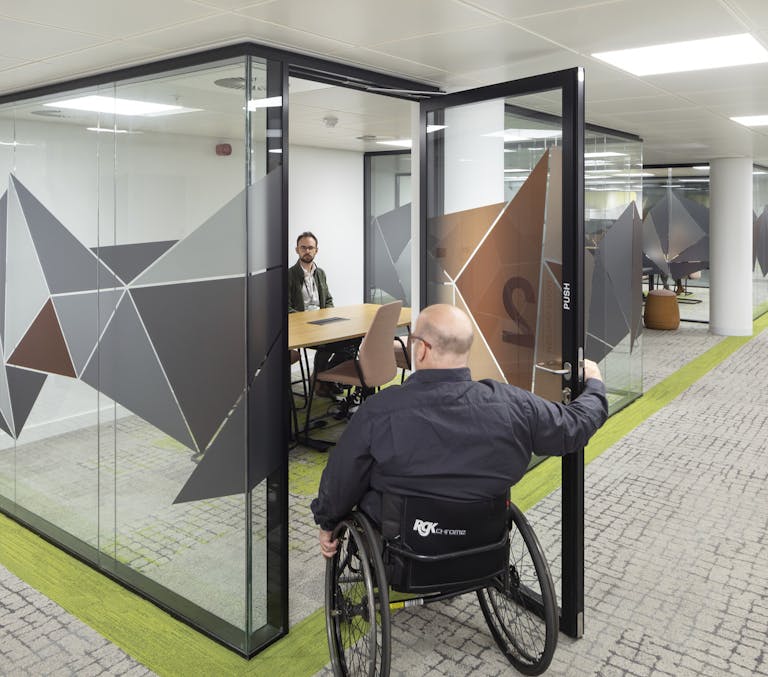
(110, 130)
(607, 153)
(691, 55)
(114, 106)
(752, 120)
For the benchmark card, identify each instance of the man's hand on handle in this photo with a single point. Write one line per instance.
(591, 370)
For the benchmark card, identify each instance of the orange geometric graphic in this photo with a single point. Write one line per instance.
(500, 284)
(43, 346)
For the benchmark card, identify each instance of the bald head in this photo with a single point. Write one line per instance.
(448, 330)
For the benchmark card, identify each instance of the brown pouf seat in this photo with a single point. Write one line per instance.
(661, 310)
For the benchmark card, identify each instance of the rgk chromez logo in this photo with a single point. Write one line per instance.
(425, 528)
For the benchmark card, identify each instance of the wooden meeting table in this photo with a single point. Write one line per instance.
(336, 324)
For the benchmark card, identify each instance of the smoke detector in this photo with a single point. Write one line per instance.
(237, 83)
(330, 120)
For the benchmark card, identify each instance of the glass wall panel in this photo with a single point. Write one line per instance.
(49, 414)
(388, 227)
(142, 335)
(613, 230)
(760, 243)
(676, 235)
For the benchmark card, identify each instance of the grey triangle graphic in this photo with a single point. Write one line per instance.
(68, 265)
(6, 409)
(265, 245)
(82, 317)
(128, 260)
(395, 227)
(222, 470)
(125, 368)
(25, 282)
(614, 250)
(24, 387)
(683, 229)
(198, 331)
(5, 426)
(215, 249)
(3, 242)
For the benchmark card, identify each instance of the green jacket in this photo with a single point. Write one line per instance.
(295, 282)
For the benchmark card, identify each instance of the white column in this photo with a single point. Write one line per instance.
(730, 246)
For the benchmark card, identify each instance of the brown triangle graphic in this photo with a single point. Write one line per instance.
(43, 346)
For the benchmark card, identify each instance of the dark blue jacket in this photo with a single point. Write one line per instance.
(443, 435)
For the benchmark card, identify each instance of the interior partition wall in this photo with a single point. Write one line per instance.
(143, 327)
(760, 241)
(143, 336)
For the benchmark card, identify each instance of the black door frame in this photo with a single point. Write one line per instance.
(571, 84)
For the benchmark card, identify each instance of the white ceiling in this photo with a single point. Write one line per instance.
(453, 44)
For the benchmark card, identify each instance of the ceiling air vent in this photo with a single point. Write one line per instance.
(49, 113)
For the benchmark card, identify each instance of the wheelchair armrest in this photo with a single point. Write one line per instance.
(409, 554)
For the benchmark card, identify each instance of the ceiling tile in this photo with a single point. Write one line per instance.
(386, 63)
(629, 23)
(110, 19)
(471, 49)
(528, 8)
(27, 41)
(228, 28)
(370, 23)
(231, 5)
(754, 13)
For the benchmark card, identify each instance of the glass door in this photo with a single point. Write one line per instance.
(502, 236)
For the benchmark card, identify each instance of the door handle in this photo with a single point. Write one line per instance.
(565, 371)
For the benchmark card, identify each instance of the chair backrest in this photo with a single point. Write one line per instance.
(376, 357)
(435, 544)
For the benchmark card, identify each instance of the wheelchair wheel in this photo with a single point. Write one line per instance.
(521, 607)
(357, 623)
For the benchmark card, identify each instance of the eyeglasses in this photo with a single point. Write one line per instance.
(413, 337)
(305, 248)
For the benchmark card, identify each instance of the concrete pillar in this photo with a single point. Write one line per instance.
(730, 246)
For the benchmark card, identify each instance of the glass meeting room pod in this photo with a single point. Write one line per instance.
(145, 232)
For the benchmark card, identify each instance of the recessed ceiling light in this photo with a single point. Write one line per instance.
(701, 168)
(607, 153)
(111, 130)
(114, 106)
(268, 102)
(400, 143)
(514, 135)
(693, 180)
(691, 55)
(752, 120)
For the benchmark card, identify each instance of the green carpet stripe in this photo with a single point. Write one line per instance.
(170, 648)
(546, 477)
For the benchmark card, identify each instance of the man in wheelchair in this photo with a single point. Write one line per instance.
(431, 462)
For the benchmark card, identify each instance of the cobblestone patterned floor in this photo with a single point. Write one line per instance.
(677, 545)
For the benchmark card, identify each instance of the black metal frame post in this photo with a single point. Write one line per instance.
(572, 593)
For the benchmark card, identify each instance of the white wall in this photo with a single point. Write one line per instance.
(326, 196)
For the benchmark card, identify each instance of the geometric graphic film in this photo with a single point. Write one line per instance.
(613, 275)
(760, 241)
(158, 327)
(390, 264)
(676, 236)
(502, 264)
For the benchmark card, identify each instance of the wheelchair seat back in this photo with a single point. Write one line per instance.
(440, 545)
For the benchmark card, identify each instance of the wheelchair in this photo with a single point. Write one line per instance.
(432, 550)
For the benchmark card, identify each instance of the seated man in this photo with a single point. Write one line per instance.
(308, 290)
(443, 435)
